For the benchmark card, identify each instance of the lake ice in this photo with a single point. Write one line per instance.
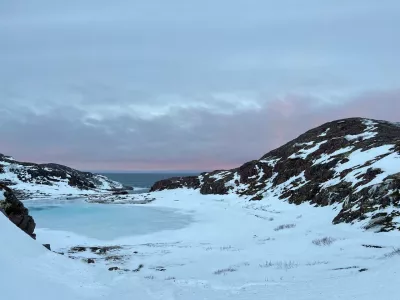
(104, 222)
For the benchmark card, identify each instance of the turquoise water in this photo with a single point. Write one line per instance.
(104, 222)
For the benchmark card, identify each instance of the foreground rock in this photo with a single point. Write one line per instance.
(16, 211)
(120, 198)
(352, 162)
(30, 180)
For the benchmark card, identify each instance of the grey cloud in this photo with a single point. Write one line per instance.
(186, 138)
(178, 84)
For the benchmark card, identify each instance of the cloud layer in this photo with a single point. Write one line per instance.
(155, 85)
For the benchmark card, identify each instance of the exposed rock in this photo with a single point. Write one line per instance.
(16, 211)
(90, 261)
(77, 249)
(353, 162)
(177, 182)
(123, 192)
(141, 266)
(95, 249)
(47, 246)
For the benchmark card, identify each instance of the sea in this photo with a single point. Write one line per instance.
(142, 182)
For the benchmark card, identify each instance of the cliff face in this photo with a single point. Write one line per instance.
(16, 211)
(352, 162)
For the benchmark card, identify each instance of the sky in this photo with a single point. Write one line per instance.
(188, 85)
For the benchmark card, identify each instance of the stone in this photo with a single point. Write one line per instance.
(16, 211)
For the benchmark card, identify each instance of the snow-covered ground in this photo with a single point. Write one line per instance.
(233, 249)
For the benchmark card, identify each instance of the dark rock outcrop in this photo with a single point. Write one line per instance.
(16, 211)
(47, 246)
(354, 162)
(177, 182)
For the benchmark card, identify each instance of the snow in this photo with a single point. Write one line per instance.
(368, 133)
(388, 164)
(107, 184)
(326, 158)
(382, 158)
(221, 175)
(364, 136)
(29, 271)
(233, 250)
(300, 180)
(270, 162)
(303, 144)
(231, 183)
(324, 133)
(303, 153)
(359, 157)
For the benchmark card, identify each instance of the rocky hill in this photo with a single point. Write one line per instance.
(34, 180)
(352, 164)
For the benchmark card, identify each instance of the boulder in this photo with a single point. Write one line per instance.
(16, 211)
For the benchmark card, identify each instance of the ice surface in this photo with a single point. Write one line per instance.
(104, 222)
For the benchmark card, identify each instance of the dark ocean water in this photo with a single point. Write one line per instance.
(141, 182)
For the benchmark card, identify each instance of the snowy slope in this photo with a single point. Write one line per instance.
(30, 271)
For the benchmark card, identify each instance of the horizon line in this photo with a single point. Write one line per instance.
(146, 171)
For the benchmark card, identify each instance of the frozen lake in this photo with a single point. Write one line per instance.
(104, 221)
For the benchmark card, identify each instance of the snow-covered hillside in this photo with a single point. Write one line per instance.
(354, 162)
(39, 180)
